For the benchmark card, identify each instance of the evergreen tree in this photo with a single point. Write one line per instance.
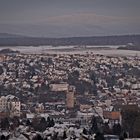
(5, 123)
(99, 136)
(42, 124)
(28, 123)
(117, 129)
(2, 137)
(85, 131)
(64, 135)
(16, 121)
(94, 127)
(106, 129)
(52, 123)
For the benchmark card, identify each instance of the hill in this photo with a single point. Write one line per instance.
(18, 40)
(130, 47)
(7, 35)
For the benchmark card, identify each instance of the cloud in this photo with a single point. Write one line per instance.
(88, 18)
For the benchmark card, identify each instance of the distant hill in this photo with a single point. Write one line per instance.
(8, 51)
(7, 35)
(18, 40)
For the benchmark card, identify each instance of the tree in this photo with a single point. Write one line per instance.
(130, 115)
(93, 77)
(52, 123)
(5, 123)
(16, 121)
(42, 124)
(28, 123)
(106, 129)
(136, 129)
(94, 127)
(95, 89)
(85, 131)
(99, 136)
(37, 137)
(76, 63)
(43, 120)
(64, 135)
(50, 61)
(75, 74)
(2, 137)
(1, 70)
(111, 81)
(48, 121)
(35, 123)
(117, 129)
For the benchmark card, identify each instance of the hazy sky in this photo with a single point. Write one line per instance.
(61, 18)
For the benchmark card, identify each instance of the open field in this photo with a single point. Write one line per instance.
(104, 50)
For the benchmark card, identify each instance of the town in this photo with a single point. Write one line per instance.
(69, 96)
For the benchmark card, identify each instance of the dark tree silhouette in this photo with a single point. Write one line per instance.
(106, 129)
(16, 121)
(5, 123)
(99, 136)
(117, 129)
(37, 137)
(43, 124)
(85, 131)
(28, 123)
(93, 77)
(2, 137)
(130, 115)
(94, 127)
(64, 135)
(52, 123)
(1, 70)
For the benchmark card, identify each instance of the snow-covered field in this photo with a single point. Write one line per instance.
(72, 50)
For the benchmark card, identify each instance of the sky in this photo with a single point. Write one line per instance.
(70, 18)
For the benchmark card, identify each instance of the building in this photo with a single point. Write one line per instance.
(113, 117)
(59, 87)
(70, 97)
(3, 103)
(10, 105)
(2, 58)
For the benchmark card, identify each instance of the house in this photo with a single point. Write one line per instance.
(113, 117)
(59, 87)
(10, 105)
